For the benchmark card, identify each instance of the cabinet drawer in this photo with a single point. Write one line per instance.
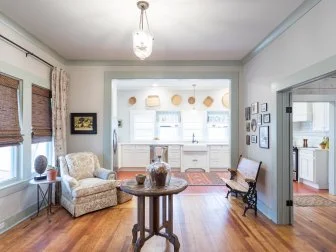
(175, 164)
(128, 147)
(174, 155)
(219, 147)
(142, 147)
(174, 148)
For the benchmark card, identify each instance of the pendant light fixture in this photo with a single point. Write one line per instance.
(142, 39)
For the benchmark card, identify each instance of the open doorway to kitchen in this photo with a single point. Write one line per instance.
(310, 130)
(189, 118)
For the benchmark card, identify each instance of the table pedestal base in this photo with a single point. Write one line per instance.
(154, 221)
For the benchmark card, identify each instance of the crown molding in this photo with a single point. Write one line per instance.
(297, 14)
(219, 63)
(18, 29)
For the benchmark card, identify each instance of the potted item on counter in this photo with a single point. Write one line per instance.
(325, 143)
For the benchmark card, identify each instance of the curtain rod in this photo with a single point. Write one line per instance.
(28, 53)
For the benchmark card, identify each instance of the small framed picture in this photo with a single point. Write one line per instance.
(247, 113)
(253, 139)
(254, 125)
(267, 118)
(83, 123)
(254, 108)
(247, 139)
(264, 137)
(263, 107)
(259, 119)
(248, 126)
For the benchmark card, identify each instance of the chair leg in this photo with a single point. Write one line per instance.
(227, 195)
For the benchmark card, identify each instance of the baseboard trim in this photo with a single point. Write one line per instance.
(18, 218)
(265, 210)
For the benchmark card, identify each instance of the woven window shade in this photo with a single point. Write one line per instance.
(10, 132)
(41, 114)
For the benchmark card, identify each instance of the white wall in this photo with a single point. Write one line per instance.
(165, 103)
(311, 40)
(16, 202)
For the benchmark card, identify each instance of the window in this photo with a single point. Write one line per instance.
(193, 125)
(168, 125)
(218, 126)
(10, 131)
(41, 124)
(142, 125)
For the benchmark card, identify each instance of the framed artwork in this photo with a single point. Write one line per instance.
(247, 113)
(248, 126)
(83, 123)
(263, 107)
(253, 139)
(267, 118)
(247, 139)
(254, 108)
(254, 125)
(259, 119)
(264, 137)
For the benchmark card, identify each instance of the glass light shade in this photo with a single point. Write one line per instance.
(142, 44)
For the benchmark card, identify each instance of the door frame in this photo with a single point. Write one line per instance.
(281, 135)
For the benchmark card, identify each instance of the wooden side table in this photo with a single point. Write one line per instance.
(45, 195)
(154, 193)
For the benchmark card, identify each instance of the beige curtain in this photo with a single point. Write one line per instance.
(59, 90)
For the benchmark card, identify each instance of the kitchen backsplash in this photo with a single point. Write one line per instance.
(303, 130)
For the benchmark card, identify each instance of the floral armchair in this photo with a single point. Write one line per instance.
(86, 187)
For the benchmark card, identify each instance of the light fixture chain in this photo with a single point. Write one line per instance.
(147, 22)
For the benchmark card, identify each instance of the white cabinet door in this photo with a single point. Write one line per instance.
(134, 156)
(306, 164)
(301, 112)
(320, 116)
(219, 156)
(195, 160)
(127, 155)
(174, 156)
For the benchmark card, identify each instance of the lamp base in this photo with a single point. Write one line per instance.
(40, 177)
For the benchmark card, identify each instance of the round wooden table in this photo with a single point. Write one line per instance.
(175, 186)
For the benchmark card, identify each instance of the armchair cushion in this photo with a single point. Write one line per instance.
(104, 173)
(81, 165)
(91, 186)
(70, 182)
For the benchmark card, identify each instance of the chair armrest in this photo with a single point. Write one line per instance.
(250, 180)
(233, 172)
(104, 174)
(69, 182)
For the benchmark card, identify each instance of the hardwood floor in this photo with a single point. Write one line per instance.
(203, 221)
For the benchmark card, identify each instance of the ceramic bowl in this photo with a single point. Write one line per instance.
(140, 178)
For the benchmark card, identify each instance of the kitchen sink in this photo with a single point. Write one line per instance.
(195, 147)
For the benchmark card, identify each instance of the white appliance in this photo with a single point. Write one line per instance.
(114, 155)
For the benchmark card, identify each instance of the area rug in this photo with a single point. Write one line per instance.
(312, 201)
(202, 178)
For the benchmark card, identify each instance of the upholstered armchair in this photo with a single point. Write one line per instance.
(86, 187)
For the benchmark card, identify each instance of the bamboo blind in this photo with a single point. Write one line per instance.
(10, 132)
(41, 114)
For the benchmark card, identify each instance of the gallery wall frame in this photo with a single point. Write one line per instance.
(255, 108)
(254, 139)
(264, 137)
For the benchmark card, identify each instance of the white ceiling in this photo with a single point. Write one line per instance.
(172, 84)
(183, 30)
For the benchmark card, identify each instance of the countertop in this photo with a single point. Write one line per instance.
(171, 143)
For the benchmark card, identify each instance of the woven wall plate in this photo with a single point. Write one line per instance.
(208, 101)
(132, 100)
(191, 100)
(176, 100)
(153, 101)
(226, 100)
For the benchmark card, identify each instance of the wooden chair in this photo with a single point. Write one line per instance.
(243, 181)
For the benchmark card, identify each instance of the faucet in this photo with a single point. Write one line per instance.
(193, 139)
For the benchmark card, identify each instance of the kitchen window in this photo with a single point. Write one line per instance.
(218, 126)
(193, 124)
(142, 125)
(168, 125)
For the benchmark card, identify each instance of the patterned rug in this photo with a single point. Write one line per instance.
(202, 178)
(313, 201)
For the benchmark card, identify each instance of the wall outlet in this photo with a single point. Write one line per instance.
(2, 225)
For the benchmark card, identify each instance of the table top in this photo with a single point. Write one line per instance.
(44, 181)
(175, 186)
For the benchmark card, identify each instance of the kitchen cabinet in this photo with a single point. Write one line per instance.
(135, 155)
(302, 111)
(313, 167)
(320, 116)
(174, 156)
(219, 156)
(195, 157)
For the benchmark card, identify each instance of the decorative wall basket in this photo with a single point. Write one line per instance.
(176, 100)
(191, 100)
(153, 101)
(226, 99)
(208, 101)
(132, 100)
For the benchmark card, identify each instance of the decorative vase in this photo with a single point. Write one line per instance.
(51, 174)
(159, 174)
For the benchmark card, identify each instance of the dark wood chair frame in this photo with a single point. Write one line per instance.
(251, 196)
